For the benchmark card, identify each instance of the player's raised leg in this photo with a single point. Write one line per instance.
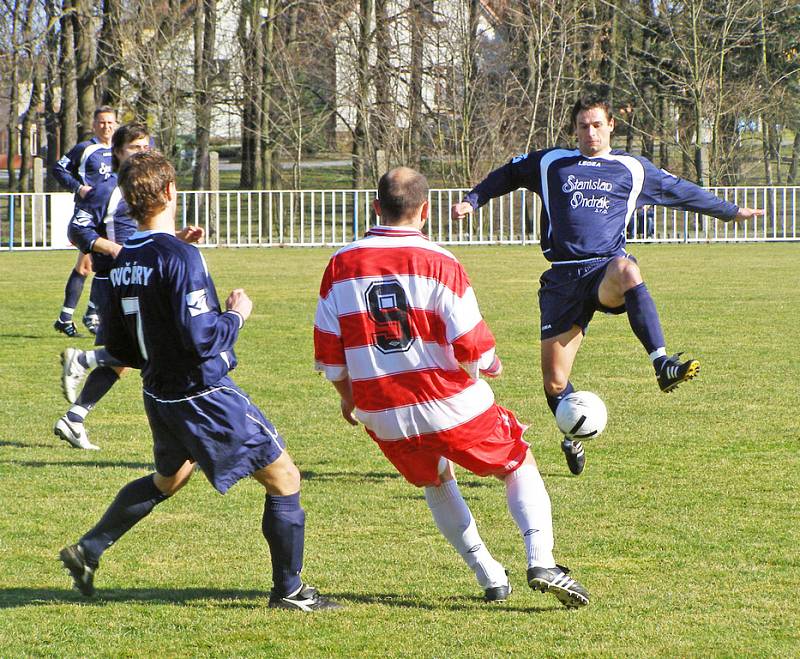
(132, 504)
(529, 505)
(454, 520)
(557, 357)
(622, 284)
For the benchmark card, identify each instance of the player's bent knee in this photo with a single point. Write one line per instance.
(555, 382)
(169, 485)
(625, 273)
(280, 478)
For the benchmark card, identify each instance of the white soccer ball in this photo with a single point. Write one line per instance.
(581, 415)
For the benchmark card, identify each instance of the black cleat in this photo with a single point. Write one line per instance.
(575, 455)
(498, 593)
(305, 599)
(673, 372)
(555, 580)
(82, 575)
(66, 327)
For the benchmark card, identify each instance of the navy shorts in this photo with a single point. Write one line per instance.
(218, 428)
(568, 295)
(101, 296)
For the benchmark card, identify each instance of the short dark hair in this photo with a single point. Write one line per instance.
(123, 136)
(401, 191)
(103, 109)
(143, 178)
(592, 97)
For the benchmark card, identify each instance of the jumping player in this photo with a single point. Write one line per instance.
(399, 334)
(165, 319)
(85, 171)
(589, 195)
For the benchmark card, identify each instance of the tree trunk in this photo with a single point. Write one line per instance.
(28, 125)
(791, 175)
(270, 176)
(51, 123)
(360, 131)
(68, 113)
(83, 26)
(109, 53)
(204, 36)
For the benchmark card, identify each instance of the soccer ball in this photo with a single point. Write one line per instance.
(581, 415)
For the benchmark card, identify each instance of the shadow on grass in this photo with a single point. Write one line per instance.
(359, 476)
(94, 464)
(11, 598)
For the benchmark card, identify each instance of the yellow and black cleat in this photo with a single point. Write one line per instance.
(673, 372)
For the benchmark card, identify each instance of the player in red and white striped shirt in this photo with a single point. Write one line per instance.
(399, 334)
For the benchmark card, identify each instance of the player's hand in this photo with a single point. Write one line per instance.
(191, 234)
(347, 411)
(239, 302)
(84, 190)
(460, 210)
(748, 213)
(494, 370)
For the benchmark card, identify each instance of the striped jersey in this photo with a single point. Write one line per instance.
(587, 202)
(397, 314)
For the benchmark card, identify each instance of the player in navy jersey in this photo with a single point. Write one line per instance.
(165, 318)
(589, 194)
(85, 170)
(101, 233)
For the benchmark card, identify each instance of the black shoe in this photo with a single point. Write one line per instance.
(305, 599)
(575, 455)
(555, 580)
(673, 372)
(498, 593)
(82, 575)
(66, 327)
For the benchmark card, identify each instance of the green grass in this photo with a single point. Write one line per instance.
(684, 526)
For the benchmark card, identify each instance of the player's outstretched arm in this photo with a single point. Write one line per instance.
(748, 213)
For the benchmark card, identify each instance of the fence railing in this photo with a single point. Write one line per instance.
(335, 217)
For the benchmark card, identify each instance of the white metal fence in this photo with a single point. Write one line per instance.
(335, 217)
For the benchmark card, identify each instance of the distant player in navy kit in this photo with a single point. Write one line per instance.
(588, 196)
(85, 170)
(165, 319)
(100, 234)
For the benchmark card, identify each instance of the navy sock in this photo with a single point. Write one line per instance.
(104, 358)
(643, 318)
(72, 293)
(553, 401)
(92, 306)
(132, 504)
(97, 385)
(283, 526)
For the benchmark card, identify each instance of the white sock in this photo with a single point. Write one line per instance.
(454, 519)
(91, 358)
(79, 410)
(529, 505)
(658, 352)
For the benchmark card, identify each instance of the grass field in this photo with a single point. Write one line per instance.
(685, 526)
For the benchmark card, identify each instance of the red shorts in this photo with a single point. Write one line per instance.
(417, 459)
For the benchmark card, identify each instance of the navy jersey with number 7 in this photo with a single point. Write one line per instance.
(165, 317)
